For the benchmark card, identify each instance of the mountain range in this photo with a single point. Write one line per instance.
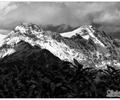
(85, 44)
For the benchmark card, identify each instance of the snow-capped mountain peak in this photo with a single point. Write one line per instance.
(41, 38)
(91, 49)
(85, 32)
(81, 31)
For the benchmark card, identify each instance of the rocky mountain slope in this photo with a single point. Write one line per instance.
(86, 45)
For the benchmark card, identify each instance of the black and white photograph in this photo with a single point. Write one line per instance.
(59, 49)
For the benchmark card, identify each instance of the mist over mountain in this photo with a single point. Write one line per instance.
(107, 28)
(65, 28)
(57, 28)
(75, 14)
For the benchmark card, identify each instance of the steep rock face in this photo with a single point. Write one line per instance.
(87, 45)
(96, 45)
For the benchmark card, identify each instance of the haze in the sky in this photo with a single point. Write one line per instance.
(74, 14)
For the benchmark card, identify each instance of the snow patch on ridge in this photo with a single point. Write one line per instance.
(85, 32)
(4, 53)
(1, 39)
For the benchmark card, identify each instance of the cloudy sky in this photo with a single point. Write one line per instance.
(74, 14)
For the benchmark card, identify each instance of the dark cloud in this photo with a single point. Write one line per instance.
(107, 15)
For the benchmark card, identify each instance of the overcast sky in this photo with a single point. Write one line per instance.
(74, 14)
